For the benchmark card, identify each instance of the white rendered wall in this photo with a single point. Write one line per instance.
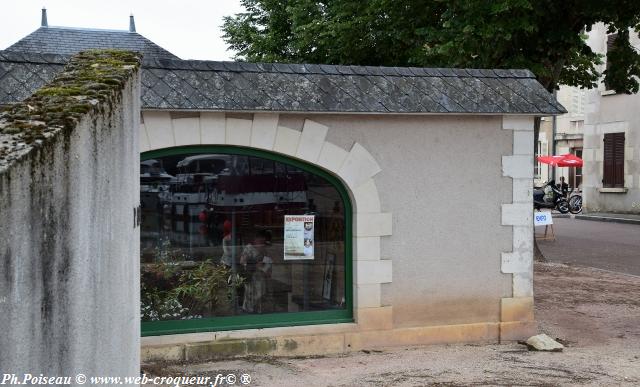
(459, 189)
(69, 250)
(607, 112)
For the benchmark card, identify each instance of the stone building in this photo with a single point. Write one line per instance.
(601, 127)
(414, 186)
(611, 140)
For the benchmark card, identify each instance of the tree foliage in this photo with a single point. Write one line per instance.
(546, 36)
(376, 32)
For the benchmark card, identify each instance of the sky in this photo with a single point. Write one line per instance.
(188, 29)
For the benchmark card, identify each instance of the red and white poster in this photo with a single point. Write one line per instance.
(299, 242)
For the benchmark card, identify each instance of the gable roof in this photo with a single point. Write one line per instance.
(254, 87)
(69, 41)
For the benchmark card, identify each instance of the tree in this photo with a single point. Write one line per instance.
(546, 36)
(377, 32)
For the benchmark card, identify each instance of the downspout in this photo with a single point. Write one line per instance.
(553, 137)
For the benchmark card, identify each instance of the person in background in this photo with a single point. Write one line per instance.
(564, 187)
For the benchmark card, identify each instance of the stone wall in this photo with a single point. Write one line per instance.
(69, 237)
(610, 112)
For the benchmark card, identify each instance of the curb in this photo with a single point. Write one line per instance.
(607, 219)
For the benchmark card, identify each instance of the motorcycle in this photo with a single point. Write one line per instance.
(556, 199)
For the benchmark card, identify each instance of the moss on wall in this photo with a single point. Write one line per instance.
(91, 80)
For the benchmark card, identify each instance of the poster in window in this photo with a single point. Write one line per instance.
(299, 242)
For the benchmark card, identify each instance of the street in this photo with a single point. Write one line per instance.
(603, 245)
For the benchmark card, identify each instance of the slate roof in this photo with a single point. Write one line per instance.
(68, 41)
(23, 74)
(240, 86)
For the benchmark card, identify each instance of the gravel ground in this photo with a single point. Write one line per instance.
(596, 314)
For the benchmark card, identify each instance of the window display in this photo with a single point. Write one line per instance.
(236, 233)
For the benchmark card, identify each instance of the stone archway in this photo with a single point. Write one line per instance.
(355, 168)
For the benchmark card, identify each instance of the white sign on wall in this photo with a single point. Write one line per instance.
(542, 218)
(299, 242)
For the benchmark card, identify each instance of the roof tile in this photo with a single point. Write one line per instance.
(329, 69)
(488, 73)
(313, 68)
(241, 86)
(68, 41)
(391, 71)
(374, 70)
(446, 72)
(282, 68)
(403, 71)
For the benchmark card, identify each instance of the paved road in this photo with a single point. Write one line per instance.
(604, 245)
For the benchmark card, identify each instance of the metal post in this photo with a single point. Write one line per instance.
(305, 285)
(553, 138)
(234, 271)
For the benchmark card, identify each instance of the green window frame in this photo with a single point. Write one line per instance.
(158, 328)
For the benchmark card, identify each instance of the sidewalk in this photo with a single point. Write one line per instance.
(610, 217)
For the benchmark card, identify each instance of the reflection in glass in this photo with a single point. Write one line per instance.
(212, 238)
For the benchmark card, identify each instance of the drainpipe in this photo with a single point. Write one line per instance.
(553, 138)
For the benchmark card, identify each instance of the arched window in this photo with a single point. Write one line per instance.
(237, 238)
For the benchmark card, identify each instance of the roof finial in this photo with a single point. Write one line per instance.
(132, 24)
(44, 23)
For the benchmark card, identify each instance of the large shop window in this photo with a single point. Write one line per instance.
(236, 238)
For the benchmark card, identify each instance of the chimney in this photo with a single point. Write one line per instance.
(44, 23)
(132, 24)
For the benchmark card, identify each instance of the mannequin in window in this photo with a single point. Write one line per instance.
(227, 252)
(257, 268)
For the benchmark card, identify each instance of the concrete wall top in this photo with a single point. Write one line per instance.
(90, 81)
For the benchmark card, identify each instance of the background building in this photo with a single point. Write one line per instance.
(569, 128)
(611, 141)
(603, 128)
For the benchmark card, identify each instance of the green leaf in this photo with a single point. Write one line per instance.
(546, 36)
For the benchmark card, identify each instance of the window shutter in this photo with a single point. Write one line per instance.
(613, 160)
(618, 150)
(607, 162)
(610, 41)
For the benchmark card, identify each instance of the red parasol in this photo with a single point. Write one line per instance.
(567, 160)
